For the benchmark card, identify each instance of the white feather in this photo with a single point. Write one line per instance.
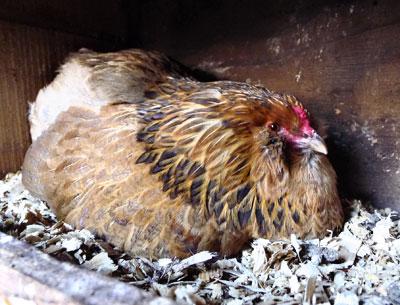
(69, 88)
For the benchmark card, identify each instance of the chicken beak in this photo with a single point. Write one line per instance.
(317, 144)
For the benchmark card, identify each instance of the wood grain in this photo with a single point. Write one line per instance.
(29, 276)
(29, 58)
(100, 19)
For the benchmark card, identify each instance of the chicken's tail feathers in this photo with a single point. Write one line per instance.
(92, 80)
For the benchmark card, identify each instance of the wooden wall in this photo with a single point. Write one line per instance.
(342, 58)
(35, 37)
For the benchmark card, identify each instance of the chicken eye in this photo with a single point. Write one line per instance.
(273, 126)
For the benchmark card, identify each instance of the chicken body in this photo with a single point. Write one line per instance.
(128, 146)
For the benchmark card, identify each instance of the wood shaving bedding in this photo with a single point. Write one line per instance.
(361, 265)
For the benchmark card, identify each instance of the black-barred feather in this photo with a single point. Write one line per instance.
(189, 165)
(212, 136)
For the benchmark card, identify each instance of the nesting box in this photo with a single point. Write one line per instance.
(340, 58)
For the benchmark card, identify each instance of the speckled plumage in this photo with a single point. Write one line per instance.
(163, 165)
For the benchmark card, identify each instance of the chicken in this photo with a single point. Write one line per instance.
(130, 147)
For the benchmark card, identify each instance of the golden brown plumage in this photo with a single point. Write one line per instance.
(163, 165)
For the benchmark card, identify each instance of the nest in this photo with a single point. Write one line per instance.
(361, 264)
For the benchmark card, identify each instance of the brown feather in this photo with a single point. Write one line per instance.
(181, 167)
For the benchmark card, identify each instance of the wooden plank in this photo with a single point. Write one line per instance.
(14, 290)
(29, 58)
(100, 19)
(341, 59)
(26, 274)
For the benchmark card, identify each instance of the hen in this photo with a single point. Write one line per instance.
(130, 147)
